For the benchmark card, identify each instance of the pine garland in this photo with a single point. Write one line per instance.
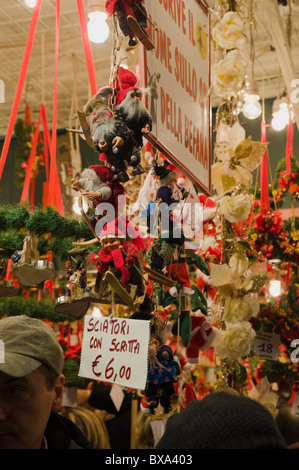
(41, 309)
(54, 232)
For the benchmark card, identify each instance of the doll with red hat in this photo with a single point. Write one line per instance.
(130, 108)
(114, 139)
(94, 183)
(120, 256)
(125, 8)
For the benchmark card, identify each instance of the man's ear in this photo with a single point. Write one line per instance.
(58, 392)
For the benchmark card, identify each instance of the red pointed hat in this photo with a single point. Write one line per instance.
(103, 172)
(128, 81)
(111, 230)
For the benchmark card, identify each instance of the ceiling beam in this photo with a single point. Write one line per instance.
(280, 42)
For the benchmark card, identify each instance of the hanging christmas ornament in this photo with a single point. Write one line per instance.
(119, 267)
(28, 268)
(162, 375)
(132, 20)
(77, 300)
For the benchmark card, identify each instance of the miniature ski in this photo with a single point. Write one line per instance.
(154, 276)
(140, 33)
(84, 125)
(120, 290)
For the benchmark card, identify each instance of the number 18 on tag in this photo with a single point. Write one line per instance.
(266, 345)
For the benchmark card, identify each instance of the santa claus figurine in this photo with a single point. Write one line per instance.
(129, 107)
(114, 139)
(124, 8)
(94, 182)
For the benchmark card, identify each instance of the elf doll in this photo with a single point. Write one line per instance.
(121, 257)
(124, 8)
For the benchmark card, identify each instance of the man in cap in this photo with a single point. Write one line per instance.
(31, 388)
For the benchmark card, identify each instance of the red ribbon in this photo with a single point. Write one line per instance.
(8, 269)
(20, 85)
(58, 195)
(51, 193)
(87, 48)
(289, 147)
(264, 174)
(30, 162)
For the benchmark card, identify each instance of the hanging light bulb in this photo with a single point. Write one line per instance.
(30, 3)
(278, 122)
(275, 288)
(252, 107)
(98, 30)
(282, 112)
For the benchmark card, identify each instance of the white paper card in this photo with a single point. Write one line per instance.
(266, 345)
(115, 350)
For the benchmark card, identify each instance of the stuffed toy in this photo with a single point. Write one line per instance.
(121, 257)
(125, 8)
(201, 338)
(129, 107)
(162, 374)
(94, 183)
(115, 140)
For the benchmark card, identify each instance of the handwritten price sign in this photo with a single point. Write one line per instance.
(266, 345)
(115, 350)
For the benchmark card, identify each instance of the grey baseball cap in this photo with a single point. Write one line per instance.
(27, 344)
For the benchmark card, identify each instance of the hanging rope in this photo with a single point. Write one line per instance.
(20, 85)
(51, 191)
(47, 142)
(87, 48)
(75, 149)
(114, 81)
(25, 191)
(265, 205)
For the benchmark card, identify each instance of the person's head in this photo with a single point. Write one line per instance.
(222, 420)
(288, 424)
(90, 424)
(31, 381)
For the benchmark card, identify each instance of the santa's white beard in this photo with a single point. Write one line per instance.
(132, 108)
(102, 130)
(90, 181)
